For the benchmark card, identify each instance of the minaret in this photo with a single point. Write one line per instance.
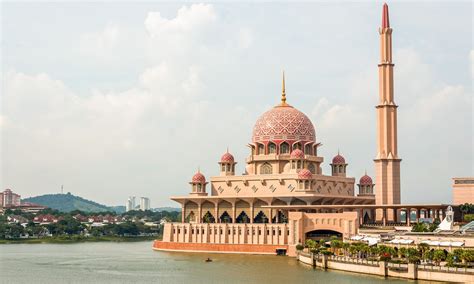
(387, 162)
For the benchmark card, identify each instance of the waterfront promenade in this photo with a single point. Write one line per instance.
(387, 269)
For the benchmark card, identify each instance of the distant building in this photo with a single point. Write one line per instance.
(144, 203)
(130, 203)
(9, 199)
(463, 190)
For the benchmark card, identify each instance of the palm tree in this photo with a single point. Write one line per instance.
(345, 247)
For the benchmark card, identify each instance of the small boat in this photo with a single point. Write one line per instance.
(208, 260)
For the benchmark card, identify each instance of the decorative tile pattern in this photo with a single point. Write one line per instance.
(305, 174)
(254, 188)
(227, 158)
(283, 123)
(220, 189)
(338, 159)
(198, 178)
(272, 188)
(297, 154)
(237, 189)
(366, 180)
(291, 187)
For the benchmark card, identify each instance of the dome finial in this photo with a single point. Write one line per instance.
(283, 91)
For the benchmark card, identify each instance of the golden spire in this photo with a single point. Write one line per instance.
(283, 92)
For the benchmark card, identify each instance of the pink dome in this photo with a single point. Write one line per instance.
(305, 174)
(366, 180)
(227, 158)
(283, 123)
(338, 159)
(198, 178)
(297, 154)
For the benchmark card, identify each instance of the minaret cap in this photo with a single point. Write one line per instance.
(283, 92)
(385, 20)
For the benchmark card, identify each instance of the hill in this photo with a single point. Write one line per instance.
(68, 202)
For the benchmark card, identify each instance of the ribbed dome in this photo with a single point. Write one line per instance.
(305, 174)
(338, 159)
(283, 122)
(227, 158)
(198, 178)
(297, 154)
(366, 180)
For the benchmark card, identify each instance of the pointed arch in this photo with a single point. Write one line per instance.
(284, 148)
(312, 168)
(225, 218)
(271, 148)
(260, 217)
(242, 218)
(266, 169)
(208, 218)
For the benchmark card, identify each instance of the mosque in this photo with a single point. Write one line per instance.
(284, 197)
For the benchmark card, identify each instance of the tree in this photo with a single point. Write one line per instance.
(336, 245)
(438, 256)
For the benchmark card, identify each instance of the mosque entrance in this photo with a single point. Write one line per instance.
(323, 234)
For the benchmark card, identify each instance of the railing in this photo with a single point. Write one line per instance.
(346, 259)
(446, 269)
(403, 267)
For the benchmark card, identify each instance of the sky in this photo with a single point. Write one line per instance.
(112, 99)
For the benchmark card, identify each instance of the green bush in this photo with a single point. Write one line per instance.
(299, 247)
(469, 217)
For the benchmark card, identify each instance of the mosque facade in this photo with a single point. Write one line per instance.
(284, 197)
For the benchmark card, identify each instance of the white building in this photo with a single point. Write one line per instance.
(130, 203)
(144, 203)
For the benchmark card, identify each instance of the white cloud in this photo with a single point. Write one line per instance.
(188, 20)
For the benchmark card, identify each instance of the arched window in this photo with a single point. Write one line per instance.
(199, 186)
(311, 168)
(306, 184)
(298, 165)
(284, 148)
(261, 149)
(223, 168)
(296, 146)
(266, 169)
(307, 149)
(271, 148)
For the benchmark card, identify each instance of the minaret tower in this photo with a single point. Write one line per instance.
(387, 162)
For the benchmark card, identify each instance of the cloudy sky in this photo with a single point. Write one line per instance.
(119, 99)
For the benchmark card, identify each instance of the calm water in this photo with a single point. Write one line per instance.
(138, 263)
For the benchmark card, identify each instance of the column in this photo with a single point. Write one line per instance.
(418, 215)
(361, 216)
(233, 214)
(199, 220)
(270, 221)
(408, 214)
(277, 219)
(182, 213)
(216, 213)
(251, 213)
(384, 218)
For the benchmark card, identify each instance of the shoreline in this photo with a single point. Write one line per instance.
(76, 239)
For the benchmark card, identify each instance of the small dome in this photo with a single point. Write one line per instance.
(338, 159)
(198, 178)
(366, 180)
(227, 158)
(297, 154)
(305, 174)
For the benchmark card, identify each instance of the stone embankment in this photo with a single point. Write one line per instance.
(387, 269)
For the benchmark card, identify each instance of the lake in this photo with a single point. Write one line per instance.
(136, 262)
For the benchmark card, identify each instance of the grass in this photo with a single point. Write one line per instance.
(77, 239)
